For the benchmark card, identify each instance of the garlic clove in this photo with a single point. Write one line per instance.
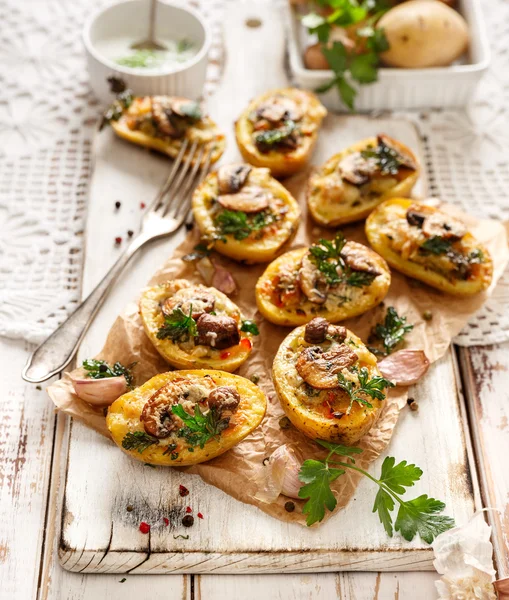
(281, 476)
(206, 269)
(223, 280)
(404, 367)
(99, 392)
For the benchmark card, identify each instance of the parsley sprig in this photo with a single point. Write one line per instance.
(266, 140)
(372, 388)
(328, 258)
(250, 327)
(100, 369)
(240, 225)
(392, 331)
(178, 326)
(199, 428)
(416, 516)
(435, 245)
(387, 159)
(138, 440)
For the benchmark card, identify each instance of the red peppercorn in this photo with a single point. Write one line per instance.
(200, 516)
(166, 521)
(144, 527)
(142, 205)
(118, 241)
(183, 491)
(189, 509)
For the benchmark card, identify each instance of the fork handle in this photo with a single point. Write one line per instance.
(57, 351)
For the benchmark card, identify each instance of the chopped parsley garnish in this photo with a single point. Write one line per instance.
(240, 225)
(266, 140)
(476, 257)
(178, 326)
(416, 516)
(328, 258)
(435, 245)
(114, 112)
(138, 440)
(250, 327)
(99, 369)
(392, 331)
(387, 159)
(142, 59)
(199, 428)
(374, 388)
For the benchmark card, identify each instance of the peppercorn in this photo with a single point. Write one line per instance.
(410, 401)
(183, 491)
(38, 387)
(414, 406)
(427, 315)
(103, 368)
(285, 423)
(189, 226)
(118, 241)
(289, 506)
(129, 508)
(188, 521)
(118, 204)
(130, 233)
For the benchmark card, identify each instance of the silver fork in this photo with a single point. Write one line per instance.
(164, 216)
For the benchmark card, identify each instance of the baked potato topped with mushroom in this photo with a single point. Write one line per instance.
(428, 244)
(333, 279)
(278, 130)
(328, 382)
(195, 326)
(246, 212)
(351, 183)
(185, 417)
(164, 123)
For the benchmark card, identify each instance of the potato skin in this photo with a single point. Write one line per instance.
(124, 417)
(281, 164)
(177, 356)
(329, 214)
(423, 34)
(249, 250)
(397, 207)
(309, 416)
(364, 299)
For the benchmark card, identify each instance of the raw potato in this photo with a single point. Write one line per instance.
(423, 33)
(308, 414)
(255, 248)
(389, 219)
(124, 417)
(336, 308)
(282, 164)
(187, 355)
(331, 206)
(204, 131)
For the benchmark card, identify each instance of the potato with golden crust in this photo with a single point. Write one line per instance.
(164, 123)
(333, 279)
(428, 244)
(279, 129)
(312, 370)
(249, 214)
(185, 417)
(354, 181)
(194, 326)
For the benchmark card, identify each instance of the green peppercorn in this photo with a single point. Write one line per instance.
(427, 315)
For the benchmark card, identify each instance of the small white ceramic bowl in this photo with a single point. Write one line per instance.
(130, 19)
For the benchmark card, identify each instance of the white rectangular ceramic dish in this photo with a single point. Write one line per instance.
(441, 87)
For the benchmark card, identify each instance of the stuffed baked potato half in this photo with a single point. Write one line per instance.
(194, 326)
(333, 279)
(165, 124)
(353, 182)
(278, 130)
(249, 214)
(185, 417)
(328, 382)
(426, 243)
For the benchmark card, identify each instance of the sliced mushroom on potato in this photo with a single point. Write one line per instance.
(198, 304)
(404, 159)
(442, 225)
(250, 199)
(355, 258)
(218, 332)
(356, 169)
(156, 416)
(320, 369)
(224, 400)
(232, 177)
(317, 330)
(279, 108)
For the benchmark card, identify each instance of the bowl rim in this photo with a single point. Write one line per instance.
(92, 50)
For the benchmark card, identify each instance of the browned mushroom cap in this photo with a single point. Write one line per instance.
(320, 369)
(231, 178)
(157, 417)
(404, 159)
(160, 109)
(198, 303)
(279, 108)
(312, 282)
(225, 400)
(172, 115)
(316, 330)
(356, 169)
(250, 199)
(216, 331)
(355, 258)
(184, 108)
(442, 225)
(416, 214)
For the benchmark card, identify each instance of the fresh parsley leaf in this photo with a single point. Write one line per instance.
(363, 67)
(377, 41)
(138, 440)
(337, 58)
(250, 327)
(392, 331)
(365, 387)
(238, 224)
(388, 159)
(435, 245)
(419, 516)
(317, 477)
(266, 140)
(384, 505)
(340, 449)
(400, 476)
(199, 428)
(347, 92)
(360, 278)
(178, 326)
(99, 369)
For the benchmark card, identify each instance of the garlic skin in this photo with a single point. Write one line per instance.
(463, 556)
(280, 476)
(216, 275)
(99, 392)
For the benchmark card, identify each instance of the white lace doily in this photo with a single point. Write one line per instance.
(47, 118)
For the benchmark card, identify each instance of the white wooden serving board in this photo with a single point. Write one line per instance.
(98, 534)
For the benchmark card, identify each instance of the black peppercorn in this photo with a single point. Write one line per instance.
(289, 506)
(103, 368)
(189, 226)
(130, 233)
(188, 521)
(118, 204)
